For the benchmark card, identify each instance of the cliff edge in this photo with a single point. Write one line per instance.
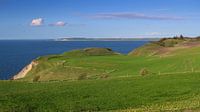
(25, 70)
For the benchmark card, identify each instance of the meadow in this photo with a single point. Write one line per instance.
(175, 92)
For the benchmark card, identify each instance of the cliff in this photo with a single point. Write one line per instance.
(25, 70)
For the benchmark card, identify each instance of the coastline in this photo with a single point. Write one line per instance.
(25, 71)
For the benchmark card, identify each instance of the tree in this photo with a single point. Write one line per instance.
(181, 37)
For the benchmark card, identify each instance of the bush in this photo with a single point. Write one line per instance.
(82, 76)
(144, 72)
(36, 78)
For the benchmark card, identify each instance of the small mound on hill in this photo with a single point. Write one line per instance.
(91, 52)
(99, 51)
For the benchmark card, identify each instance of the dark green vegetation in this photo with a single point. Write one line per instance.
(160, 76)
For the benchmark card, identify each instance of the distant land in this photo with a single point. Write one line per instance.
(105, 39)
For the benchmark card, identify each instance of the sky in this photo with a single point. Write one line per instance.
(51, 19)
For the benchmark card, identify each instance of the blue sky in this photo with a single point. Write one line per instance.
(43, 19)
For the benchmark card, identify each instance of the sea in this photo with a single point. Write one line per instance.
(16, 54)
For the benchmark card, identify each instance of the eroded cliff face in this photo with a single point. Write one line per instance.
(25, 70)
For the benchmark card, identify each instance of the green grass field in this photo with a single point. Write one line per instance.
(175, 92)
(103, 80)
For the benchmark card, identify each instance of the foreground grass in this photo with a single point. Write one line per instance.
(175, 92)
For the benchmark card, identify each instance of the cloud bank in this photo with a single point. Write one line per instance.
(129, 15)
(37, 22)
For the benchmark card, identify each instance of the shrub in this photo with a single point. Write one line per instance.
(36, 78)
(144, 72)
(82, 76)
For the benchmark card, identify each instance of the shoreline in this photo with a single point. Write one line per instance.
(24, 71)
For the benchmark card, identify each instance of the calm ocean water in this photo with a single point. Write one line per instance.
(15, 54)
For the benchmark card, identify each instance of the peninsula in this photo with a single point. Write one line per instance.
(105, 39)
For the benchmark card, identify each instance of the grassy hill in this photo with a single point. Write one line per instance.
(159, 76)
(96, 63)
(81, 64)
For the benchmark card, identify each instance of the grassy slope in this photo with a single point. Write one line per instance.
(172, 85)
(71, 65)
(96, 67)
(164, 92)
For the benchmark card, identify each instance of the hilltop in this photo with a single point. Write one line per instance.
(167, 46)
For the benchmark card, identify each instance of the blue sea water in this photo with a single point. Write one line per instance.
(15, 54)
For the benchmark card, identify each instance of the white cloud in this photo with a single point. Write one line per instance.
(37, 22)
(59, 23)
